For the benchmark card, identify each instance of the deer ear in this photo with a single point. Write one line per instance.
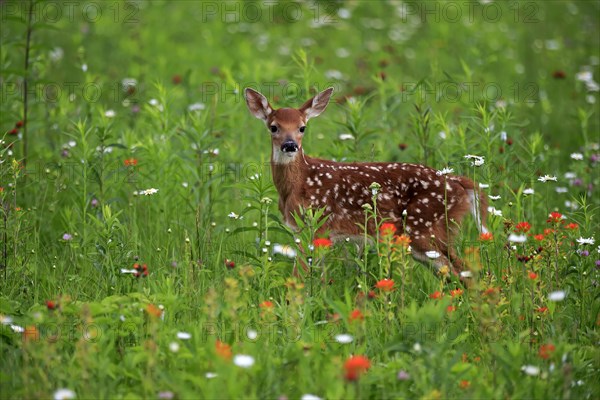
(257, 104)
(315, 106)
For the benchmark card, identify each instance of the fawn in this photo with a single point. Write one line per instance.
(418, 200)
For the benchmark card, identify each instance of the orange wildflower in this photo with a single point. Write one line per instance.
(436, 295)
(572, 226)
(555, 217)
(486, 237)
(322, 243)
(356, 315)
(130, 162)
(223, 350)
(402, 240)
(355, 366)
(266, 304)
(464, 384)
(532, 275)
(153, 311)
(523, 227)
(456, 292)
(546, 351)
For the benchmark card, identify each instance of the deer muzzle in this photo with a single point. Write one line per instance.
(289, 146)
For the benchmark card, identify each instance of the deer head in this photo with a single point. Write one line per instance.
(287, 125)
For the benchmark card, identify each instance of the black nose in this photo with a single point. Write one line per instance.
(289, 147)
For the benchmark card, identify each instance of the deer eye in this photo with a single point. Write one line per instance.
(273, 128)
(302, 129)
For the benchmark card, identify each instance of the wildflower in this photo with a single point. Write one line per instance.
(532, 275)
(541, 310)
(110, 113)
(559, 74)
(67, 236)
(583, 241)
(450, 308)
(266, 304)
(355, 366)
(19, 124)
(528, 192)
(233, 215)
(486, 237)
(13, 131)
(386, 285)
(252, 334)
(561, 189)
(174, 347)
(344, 338)
(196, 107)
(30, 333)
(517, 238)
(547, 178)
(555, 217)
(356, 315)
(403, 375)
(346, 136)
(322, 243)
(444, 171)
(243, 360)
(147, 192)
(456, 292)
(153, 311)
(184, 335)
(494, 211)
(558, 295)
(223, 350)
(522, 227)
(166, 395)
(464, 384)
(50, 305)
(309, 396)
(572, 226)
(546, 351)
(539, 237)
(387, 229)
(229, 264)
(577, 156)
(402, 240)
(466, 274)
(477, 160)
(64, 394)
(210, 375)
(436, 295)
(530, 370)
(140, 270)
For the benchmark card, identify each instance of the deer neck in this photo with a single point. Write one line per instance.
(288, 176)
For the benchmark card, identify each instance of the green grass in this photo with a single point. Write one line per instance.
(410, 87)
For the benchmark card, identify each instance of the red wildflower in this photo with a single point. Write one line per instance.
(572, 226)
(371, 295)
(229, 264)
(19, 124)
(464, 384)
(322, 243)
(386, 285)
(355, 366)
(402, 240)
(555, 218)
(387, 229)
(541, 309)
(546, 351)
(539, 237)
(490, 291)
(548, 231)
(402, 146)
(223, 350)
(141, 270)
(51, 305)
(532, 275)
(450, 309)
(559, 74)
(456, 292)
(130, 162)
(522, 227)
(266, 304)
(356, 315)
(486, 237)
(436, 295)
(13, 131)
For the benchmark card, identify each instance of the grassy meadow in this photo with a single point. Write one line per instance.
(142, 252)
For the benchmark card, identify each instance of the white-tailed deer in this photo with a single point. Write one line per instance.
(418, 200)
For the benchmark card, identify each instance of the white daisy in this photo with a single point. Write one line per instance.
(284, 250)
(547, 178)
(233, 215)
(184, 335)
(64, 394)
(583, 240)
(346, 136)
(148, 192)
(530, 370)
(494, 197)
(110, 113)
(309, 396)
(517, 238)
(494, 211)
(211, 375)
(243, 360)
(577, 156)
(466, 274)
(561, 189)
(432, 254)
(528, 191)
(558, 295)
(196, 107)
(174, 347)
(344, 338)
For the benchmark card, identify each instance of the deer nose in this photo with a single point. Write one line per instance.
(289, 147)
